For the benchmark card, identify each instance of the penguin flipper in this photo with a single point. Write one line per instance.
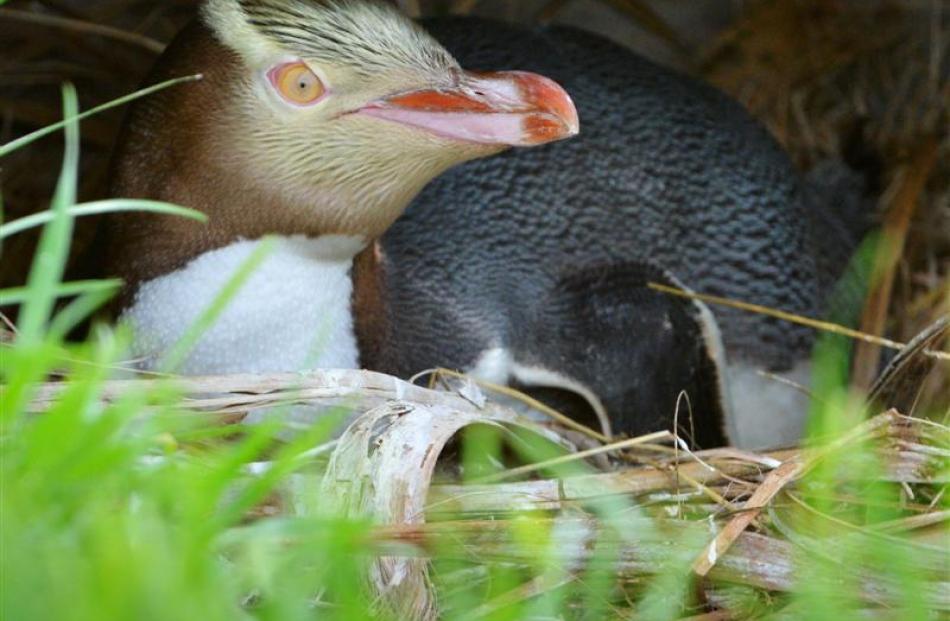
(637, 349)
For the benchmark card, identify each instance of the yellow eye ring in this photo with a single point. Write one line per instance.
(297, 83)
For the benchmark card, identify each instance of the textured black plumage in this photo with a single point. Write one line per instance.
(635, 348)
(666, 170)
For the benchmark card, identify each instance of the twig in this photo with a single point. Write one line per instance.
(564, 459)
(84, 27)
(787, 382)
(826, 326)
(773, 484)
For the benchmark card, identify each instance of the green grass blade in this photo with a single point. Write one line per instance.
(20, 295)
(53, 250)
(22, 141)
(100, 207)
(174, 357)
(78, 311)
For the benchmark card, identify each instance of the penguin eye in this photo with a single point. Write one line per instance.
(297, 83)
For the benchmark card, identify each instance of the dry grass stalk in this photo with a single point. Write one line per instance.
(793, 318)
(558, 461)
(894, 237)
(592, 400)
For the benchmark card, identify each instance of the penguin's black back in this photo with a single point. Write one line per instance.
(666, 170)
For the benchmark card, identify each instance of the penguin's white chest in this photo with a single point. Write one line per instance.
(292, 313)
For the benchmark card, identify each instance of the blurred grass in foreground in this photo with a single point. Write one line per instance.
(138, 509)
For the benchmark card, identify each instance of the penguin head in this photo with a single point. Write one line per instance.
(348, 108)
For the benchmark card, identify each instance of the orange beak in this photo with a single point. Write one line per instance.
(511, 108)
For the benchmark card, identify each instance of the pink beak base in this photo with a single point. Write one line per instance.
(511, 108)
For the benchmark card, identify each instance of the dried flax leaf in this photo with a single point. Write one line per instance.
(900, 383)
(383, 468)
(356, 389)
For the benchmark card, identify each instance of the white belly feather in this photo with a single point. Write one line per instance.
(293, 313)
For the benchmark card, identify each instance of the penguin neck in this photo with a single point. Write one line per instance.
(148, 246)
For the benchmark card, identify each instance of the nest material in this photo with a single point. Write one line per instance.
(744, 519)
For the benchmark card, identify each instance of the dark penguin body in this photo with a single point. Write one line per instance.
(666, 171)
